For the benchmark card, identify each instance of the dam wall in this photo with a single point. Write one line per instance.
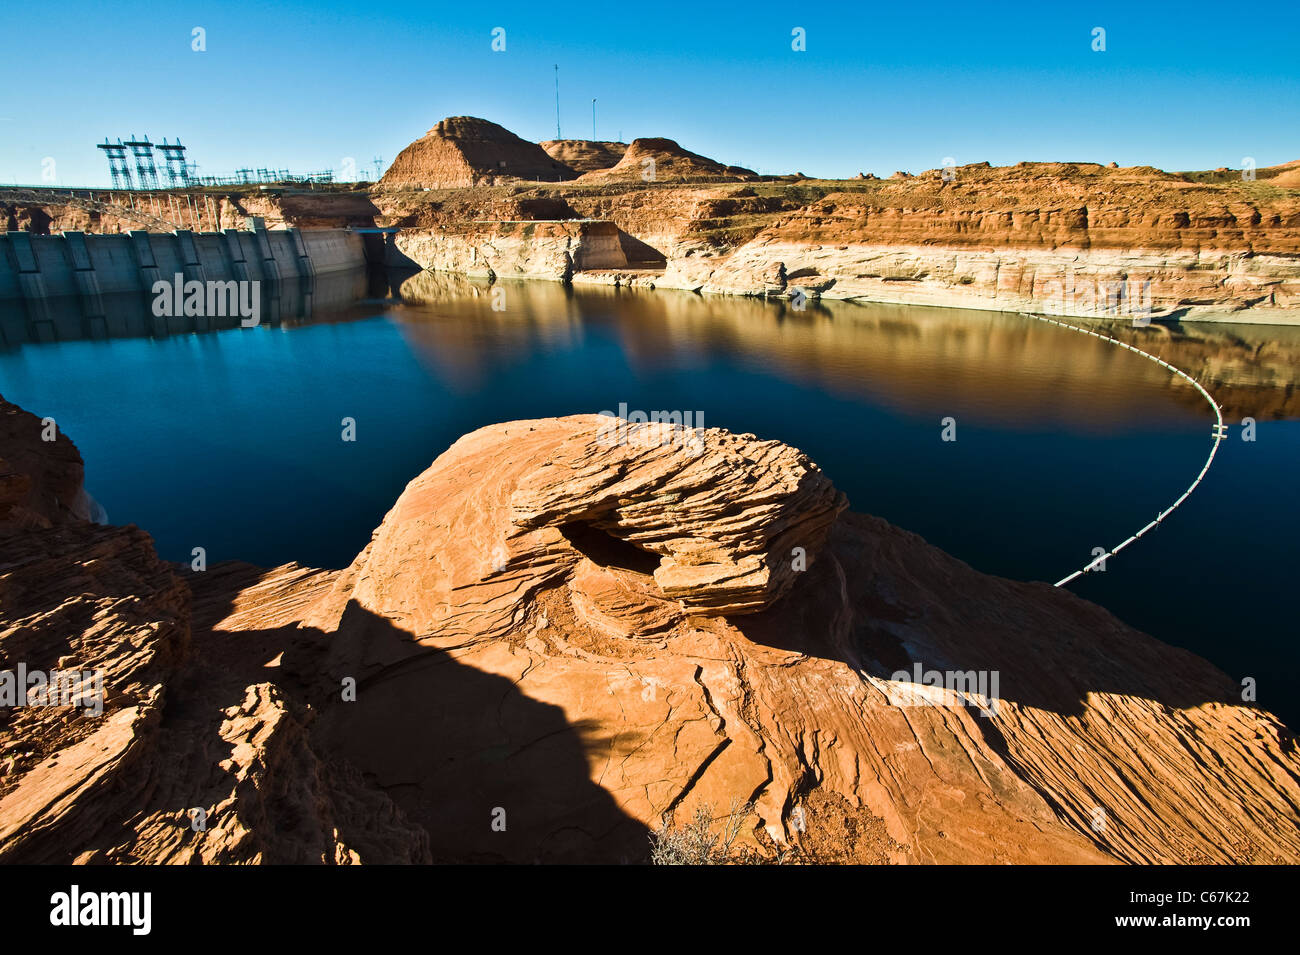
(88, 285)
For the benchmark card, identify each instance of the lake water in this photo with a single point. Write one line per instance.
(231, 440)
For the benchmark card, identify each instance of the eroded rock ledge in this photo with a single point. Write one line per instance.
(573, 637)
(723, 511)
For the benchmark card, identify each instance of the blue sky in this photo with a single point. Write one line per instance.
(880, 86)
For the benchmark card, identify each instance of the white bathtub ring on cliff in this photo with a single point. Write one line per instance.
(1219, 433)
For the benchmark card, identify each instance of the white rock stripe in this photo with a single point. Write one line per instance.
(1214, 447)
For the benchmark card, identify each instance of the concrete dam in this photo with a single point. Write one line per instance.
(88, 285)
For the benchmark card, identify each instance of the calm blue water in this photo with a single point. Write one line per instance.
(232, 440)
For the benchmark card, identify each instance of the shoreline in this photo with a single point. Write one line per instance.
(644, 281)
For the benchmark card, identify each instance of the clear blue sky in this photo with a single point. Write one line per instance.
(881, 86)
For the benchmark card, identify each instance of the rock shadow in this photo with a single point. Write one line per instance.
(882, 600)
(491, 774)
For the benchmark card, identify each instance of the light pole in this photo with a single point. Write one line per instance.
(593, 119)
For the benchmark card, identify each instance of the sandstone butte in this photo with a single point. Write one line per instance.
(587, 635)
(465, 151)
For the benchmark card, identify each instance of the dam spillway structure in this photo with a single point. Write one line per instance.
(76, 285)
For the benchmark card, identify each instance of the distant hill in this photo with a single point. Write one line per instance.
(669, 161)
(467, 151)
(585, 155)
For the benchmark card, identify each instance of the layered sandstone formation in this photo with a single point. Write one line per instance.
(188, 746)
(793, 706)
(466, 151)
(46, 212)
(584, 155)
(1076, 239)
(520, 249)
(560, 633)
(663, 160)
(1062, 238)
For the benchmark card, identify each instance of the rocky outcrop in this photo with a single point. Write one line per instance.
(723, 513)
(559, 634)
(41, 473)
(663, 160)
(584, 155)
(134, 728)
(712, 517)
(1067, 239)
(466, 151)
(518, 249)
(494, 583)
(1192, 286)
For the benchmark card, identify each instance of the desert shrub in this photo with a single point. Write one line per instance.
(696, 843)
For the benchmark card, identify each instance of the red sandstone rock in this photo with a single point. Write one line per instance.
(606, 697)
(182, 714)
(585, 155)
(663, 160)
(466, 151)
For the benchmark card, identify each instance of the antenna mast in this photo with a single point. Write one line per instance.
(557, 101)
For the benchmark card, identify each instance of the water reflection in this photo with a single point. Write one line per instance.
(928, 361)
(329, 297)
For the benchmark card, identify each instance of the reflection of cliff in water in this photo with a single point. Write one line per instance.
(923, 360)
(467, 330)
(1250, 369)
(916, 358)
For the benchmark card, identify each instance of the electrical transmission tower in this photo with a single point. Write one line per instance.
(146, 172)
(117, 164)
(178, 173)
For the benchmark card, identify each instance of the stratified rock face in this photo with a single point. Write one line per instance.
(466, 151)
(710, 519)
(1286, 176)
(663, 160)
(96, 606)
(585, 155)
(1063, 238)
(724, 512)
(1075, 239)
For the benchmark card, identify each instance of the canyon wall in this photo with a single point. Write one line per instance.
(1190, 285)
(109, 212)
(1068, 239)
(535, 250)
